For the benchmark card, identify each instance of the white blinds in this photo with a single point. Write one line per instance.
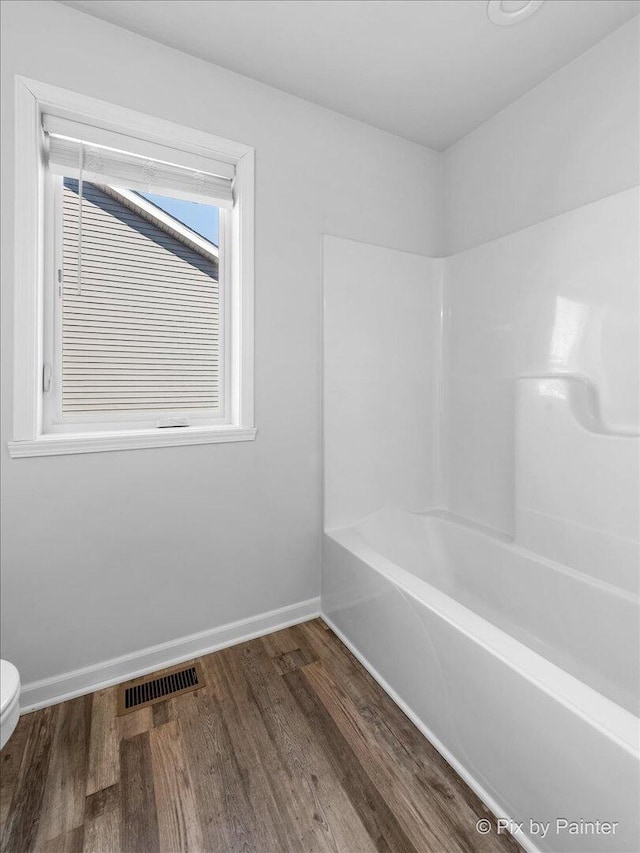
(93, 154)
(142, 334)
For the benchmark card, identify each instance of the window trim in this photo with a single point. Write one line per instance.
(32, 98)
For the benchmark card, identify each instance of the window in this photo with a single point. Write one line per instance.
(138, 327)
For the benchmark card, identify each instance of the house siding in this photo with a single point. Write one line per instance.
(143, 333)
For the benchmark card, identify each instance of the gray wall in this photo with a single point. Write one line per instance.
(571, 140)
(107, 553)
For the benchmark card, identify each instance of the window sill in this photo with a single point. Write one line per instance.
(61, 444)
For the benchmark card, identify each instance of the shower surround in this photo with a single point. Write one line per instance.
(481, 541)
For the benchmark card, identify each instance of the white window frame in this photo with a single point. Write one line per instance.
(35, 265)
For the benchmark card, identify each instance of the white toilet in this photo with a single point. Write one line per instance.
(9, 696)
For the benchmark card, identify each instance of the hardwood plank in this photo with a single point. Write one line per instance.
(381, 823)
(326, 647)
(330, 816)
(162, 713)
(289, 661)
(178, 823)
(224, 809)
(62, 808)
(450, 799)
(386, 779)
(281, 642)
(24, 816)
(68, 842)
(295, 638)
(10, 761)
(102, 835)
(102, 821)
(135, 723)
(138, 818)
(103, 801)
(224, 680)
(104, 767)
(266, 780)
(431, 826)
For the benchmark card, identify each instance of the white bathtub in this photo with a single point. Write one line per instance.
(522, 672)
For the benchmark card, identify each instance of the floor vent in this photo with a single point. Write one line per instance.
(151, 689)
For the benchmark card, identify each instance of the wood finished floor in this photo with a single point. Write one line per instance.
(290, 748)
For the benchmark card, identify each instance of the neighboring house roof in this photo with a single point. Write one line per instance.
(151, 221)
(163, 220)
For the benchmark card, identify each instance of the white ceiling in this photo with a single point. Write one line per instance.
(427, 70)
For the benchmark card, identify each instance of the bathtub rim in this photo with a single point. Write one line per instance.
(612, 720)
(508, 540)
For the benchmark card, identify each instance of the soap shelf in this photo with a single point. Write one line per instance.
(582, 399)
(577, 499)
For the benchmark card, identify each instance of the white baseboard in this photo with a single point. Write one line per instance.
(524, 840)
(68, 685)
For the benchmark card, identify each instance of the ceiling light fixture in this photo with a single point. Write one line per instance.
(505, 13)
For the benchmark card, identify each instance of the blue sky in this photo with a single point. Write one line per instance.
(201, 218)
